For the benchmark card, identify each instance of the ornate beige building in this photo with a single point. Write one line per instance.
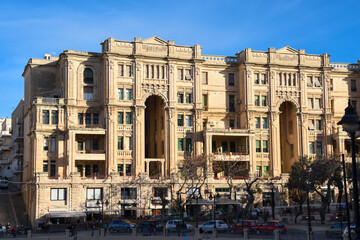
(115, 126)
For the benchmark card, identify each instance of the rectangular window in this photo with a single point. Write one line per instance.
(263, 101)
(353, 86)
(46, 143)
(57, 194)
(317, 103)
(45, 116)
(291, 127)
(128, 193)
(128, 143)
(232, 123)
(188, 74)
(80, 118)
(257, 122)
(94, 194)
(258, 171)
(120, 143)
(128, 170)
(180, 98)
(204, 78)
(121, 169)
(53, 144)
(232, 147)
(310, 103)
(231, 79)
(279, 78)
(257, 144)
(180, 120)
(162, 72)
(266, 171)
(52, 170)
(120, 94)
(331, 85)
(263, 78)
(95, 144)
(157, 72)
(128, 70)
(87, 170)
(257, 100)
(264, 123)
(128, 94)
(291, 150)
(353, 103)
(120, 118)
(80, 169)
(162, 147)
(88, 93)
(317, 82)
(265, 146)
(80, 145)
(309, 81)
(231, 103)
(188, 144)
(152, 71)
(188, 120)
(318, 124)
(45, 166)
(205, 100)
(121, 70)
(256, 78)
(128, 118)
(319, 149)
(181, 74)
(188, 98)
(54, 117)
(180, 144)
(311, 148)
(87, 118)
(95, 118)
(213, 146)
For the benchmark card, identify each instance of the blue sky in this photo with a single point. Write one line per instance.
(28, 29)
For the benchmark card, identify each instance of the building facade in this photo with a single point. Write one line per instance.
(116, 127)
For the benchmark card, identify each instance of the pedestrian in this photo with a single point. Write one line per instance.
(8, 226)
(178, 228)
(105, 227)
(92, 229)
(152, 229)
(183, 228)
(3, 228)
(13, 231)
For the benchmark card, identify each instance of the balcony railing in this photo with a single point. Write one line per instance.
(231, 156)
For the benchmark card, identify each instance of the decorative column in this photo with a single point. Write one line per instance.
(275, 151)
(139, 135)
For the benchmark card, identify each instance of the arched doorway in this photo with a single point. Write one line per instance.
(288, 136)
(155, 136)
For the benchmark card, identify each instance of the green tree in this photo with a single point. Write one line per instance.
(298, 180)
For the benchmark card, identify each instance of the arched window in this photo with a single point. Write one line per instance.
(88, 76)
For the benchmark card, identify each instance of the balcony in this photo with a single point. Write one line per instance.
(18, 153)
(47, 100)
(98, 155)
(185, 129)
(231, 156)
(18, 137)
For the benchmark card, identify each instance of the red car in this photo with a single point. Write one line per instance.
(270, 227)
(243, 224)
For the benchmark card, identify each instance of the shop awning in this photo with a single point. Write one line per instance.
(66, 214)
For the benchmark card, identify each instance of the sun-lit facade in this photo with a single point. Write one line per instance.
(115, 126)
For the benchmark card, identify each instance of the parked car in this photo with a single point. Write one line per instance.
(244, 224)
(209, 225)
(345, 234)
(4, 183)
(270, 227)
(150, 223)
(335, 230)
(171, 225)
(121, 225)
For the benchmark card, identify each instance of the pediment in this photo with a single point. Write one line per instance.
(287, 49)
(155, 40)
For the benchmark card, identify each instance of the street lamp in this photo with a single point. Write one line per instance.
(197, 197)
(102, 208)
(350, 123)
(217, 196)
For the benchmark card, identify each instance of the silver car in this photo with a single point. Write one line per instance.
(171, 225)
(209, 225)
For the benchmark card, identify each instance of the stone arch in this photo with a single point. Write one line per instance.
(291, 100)
(159, 94)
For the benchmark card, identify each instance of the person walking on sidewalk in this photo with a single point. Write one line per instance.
(13, 231)
(92, 229)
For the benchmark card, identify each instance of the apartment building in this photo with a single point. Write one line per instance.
(111, 130)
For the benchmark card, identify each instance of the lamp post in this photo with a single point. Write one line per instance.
(350, 123)
(217, 196)
(197, 197)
